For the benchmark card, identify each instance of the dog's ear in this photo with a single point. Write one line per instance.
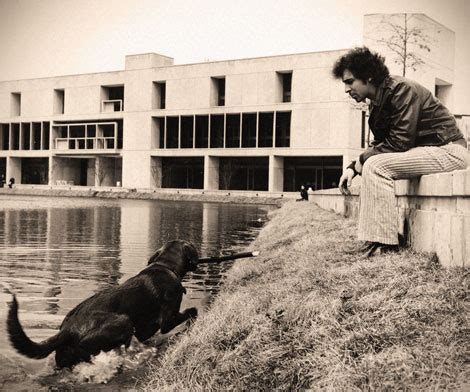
(191, 255)
(154, 257)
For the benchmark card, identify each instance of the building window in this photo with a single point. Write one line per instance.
(283, 120)
(217, 130)
(320, 172)
(112, 98)
(265, 129)
(233, 131)
(159, 95)
(218, 91)
(36, 136)
(183, 172)
(285, 80)
(172, 132)
(4, 136)
(84, 135)
(158, 132)
(46, 128)
(59, 101)
(249, 130)
(25, 141)
(244, 173)
(15, 104)
(187, 131)
(202, 131)
(15, 136)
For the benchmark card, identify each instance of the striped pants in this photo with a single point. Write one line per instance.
(378, 214)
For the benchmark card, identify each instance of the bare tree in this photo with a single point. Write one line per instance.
(405, 40)
(156, 173)
(100, 171)
(227, 173)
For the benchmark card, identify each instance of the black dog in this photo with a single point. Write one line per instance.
(141, 306)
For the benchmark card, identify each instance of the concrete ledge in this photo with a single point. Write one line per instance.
(239, 197)
(434, 212)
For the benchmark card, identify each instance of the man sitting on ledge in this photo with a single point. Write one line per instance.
(414, 135)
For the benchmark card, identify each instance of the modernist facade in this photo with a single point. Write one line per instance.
(264, 124)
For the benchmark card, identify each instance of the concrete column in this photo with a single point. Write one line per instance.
(136, 169)
(14, 169)
(53, 164)
(349, 156)
(156, 172)
(276, 174)
(211, 173)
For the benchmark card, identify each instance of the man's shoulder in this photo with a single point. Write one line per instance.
(400, 82)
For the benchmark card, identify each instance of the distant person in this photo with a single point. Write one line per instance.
(414, 135)
(11, 182)
(2, 181)
(303, 194)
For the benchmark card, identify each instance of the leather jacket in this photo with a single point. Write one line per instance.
(406, 115)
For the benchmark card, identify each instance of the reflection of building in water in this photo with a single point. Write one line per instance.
(135, 218)
(210, 226)
(180, 221)
(18, 259)
(82, 249)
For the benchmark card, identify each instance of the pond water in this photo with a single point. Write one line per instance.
(55, 252)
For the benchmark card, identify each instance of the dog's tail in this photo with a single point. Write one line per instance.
(25, 345)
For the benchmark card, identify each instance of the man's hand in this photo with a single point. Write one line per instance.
(346, 180)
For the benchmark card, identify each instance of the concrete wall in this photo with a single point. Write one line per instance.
(436, 208)
(82, 94)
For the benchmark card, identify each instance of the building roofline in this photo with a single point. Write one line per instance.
(258, 57)
(173, 65)
(147, 53)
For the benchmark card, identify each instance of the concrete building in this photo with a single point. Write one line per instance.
(264, 124)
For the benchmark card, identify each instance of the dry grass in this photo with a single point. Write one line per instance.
(305, 315)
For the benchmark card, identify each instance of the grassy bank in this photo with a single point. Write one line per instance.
(304, 314)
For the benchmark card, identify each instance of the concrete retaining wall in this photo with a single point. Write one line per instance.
(236, 197)
(434, 211)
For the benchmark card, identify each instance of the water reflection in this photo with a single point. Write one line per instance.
(56, 252)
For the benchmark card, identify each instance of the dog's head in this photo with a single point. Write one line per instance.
(177, 254)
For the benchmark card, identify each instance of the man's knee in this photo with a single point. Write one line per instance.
(375, 165)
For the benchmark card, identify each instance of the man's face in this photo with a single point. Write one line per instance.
(356, 88)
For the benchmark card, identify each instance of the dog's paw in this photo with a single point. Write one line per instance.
(191, 312)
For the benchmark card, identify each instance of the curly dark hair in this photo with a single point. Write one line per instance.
(363, 64)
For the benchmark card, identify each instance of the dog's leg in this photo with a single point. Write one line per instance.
(69, 356)
(146, 330)
(170, 316)
(110, 330)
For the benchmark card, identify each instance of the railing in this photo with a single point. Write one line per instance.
(85, 143)
(111, 105)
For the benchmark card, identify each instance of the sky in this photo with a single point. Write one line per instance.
(40, 38)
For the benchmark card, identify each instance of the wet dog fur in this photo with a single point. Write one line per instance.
(141, 306)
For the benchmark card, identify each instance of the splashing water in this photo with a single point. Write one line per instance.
(104, 366)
